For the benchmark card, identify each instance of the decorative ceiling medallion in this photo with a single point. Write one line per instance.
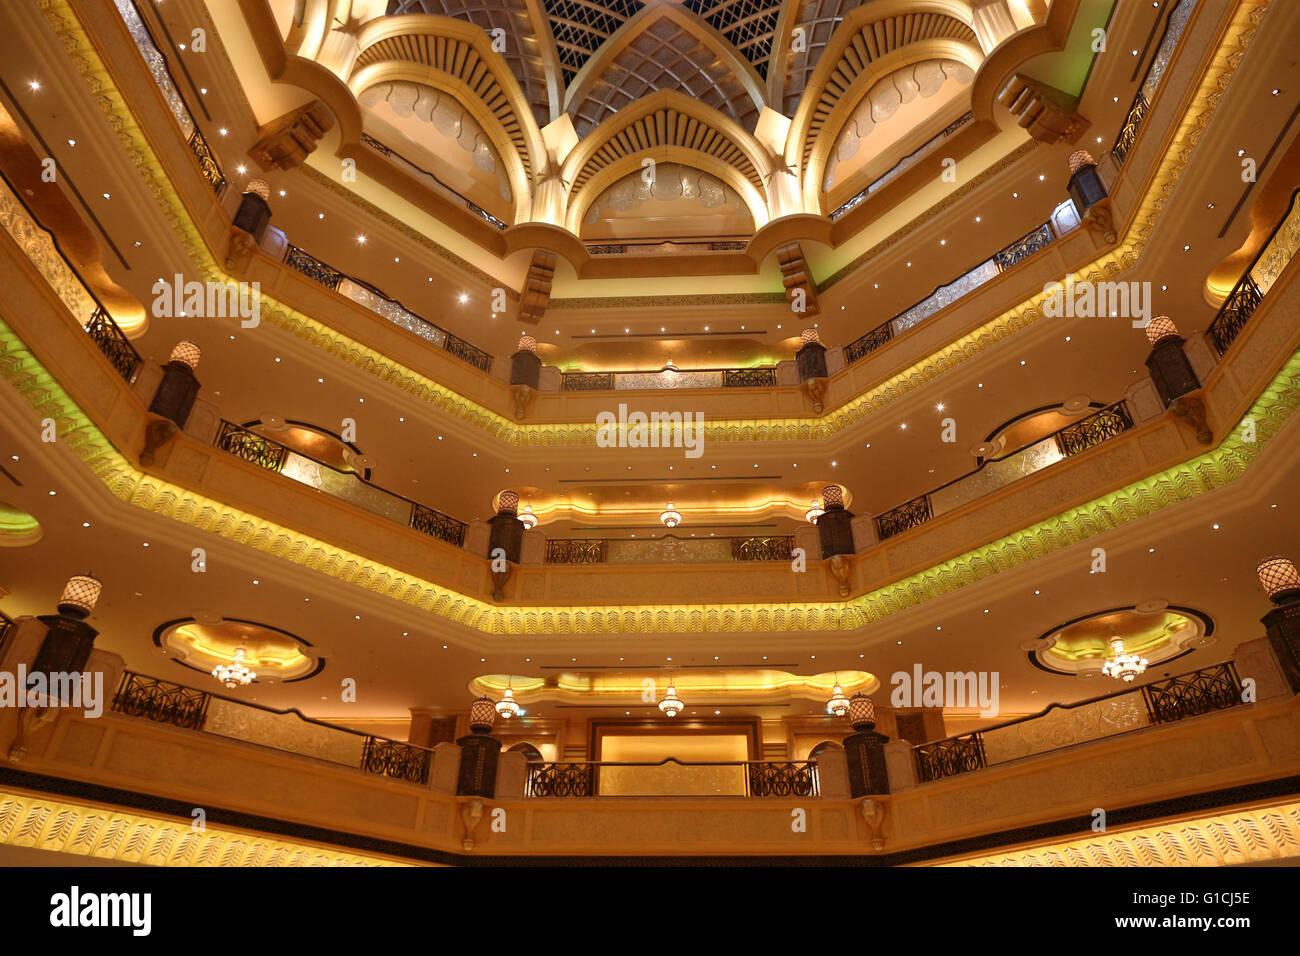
(271, 653)
(1085, 646)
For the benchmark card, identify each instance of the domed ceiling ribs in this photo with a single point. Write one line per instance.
(522, 49)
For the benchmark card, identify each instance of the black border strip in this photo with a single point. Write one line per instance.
(271, 826)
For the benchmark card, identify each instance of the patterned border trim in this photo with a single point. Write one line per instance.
(1213, 469)
(44, 823)
(1228, 839)
(1213, 84)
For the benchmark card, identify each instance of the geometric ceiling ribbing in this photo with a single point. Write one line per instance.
(748, 24)
(522, 51)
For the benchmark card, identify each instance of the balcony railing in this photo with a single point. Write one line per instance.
(667, 246)
(1037, 239)
(439, 185)
(673, 378)
(385, 307)
(112, 341)
(1137, 113)
(162, 76)
(671, 777)
(1161, 702)
(42, 247)
(576, 550)
(1102, 425)
(285, 730)
(1250, 290)
(271, 455)
(668, 549)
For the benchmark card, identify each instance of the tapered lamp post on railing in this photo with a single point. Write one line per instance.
(505, 541)
(835, 533)
(1281, 582)
(864, 750)
(525, 374)
(1173, 376)
(249, 225)
(479, 752)
(1089, 194)
(63, 654)
(810, 361)
(179, 387)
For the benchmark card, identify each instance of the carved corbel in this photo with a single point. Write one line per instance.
(30, 720)
(815, 389)
(240, 247)
(159, 433)
(537, 287)
(523, 396)
(800, 290)
(471, 813)
(1046, 113)
(499, 581)
(841, 568)
(873, 812)
(286, 142)
(1191, 410)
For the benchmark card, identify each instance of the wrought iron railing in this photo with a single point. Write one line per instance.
(1192, 695)
(1129, 131)
(947, 758)
(391, 758)
(1095, 429)
(161, 702)
(112, 341)
(271, 455)
(748, 377)
(772, 548)
(192, 709)
(1235, 312)
(911, 514)
(386, 307)
(576, 550)
(668, 377)
(1164, 701)
(752, 778)
(560, 780)
(250, 446)
(390, 153)
(1024, 247)
(208, 163)
(1076, 437)
(156, 62)
(1011, 255)
(313, 268)
(587, 381)
(864, 345)
(438, 525)
(789, 778)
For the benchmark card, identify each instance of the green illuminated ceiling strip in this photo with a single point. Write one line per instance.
(1214, 469)
(63, 21)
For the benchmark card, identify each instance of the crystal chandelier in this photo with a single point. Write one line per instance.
(527, 518)
(838, 705)
(1123, 665)
(671, 705)
(815, 512)
(236, 673)
(507, 707)
(669, 517)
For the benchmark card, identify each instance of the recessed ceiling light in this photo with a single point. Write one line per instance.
(107, 196)
(361, 240)
(223, 131)
(34, 84)
(72, 142)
